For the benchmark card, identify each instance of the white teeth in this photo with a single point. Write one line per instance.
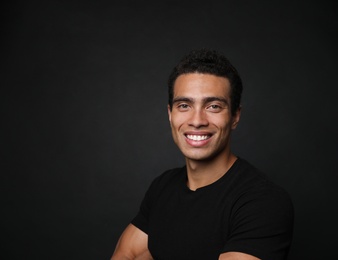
(197, 137)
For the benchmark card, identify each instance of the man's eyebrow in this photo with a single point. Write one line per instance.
(182, 99)
(211, 99)
(205, 100)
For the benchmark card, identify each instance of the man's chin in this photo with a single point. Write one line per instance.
(199, 157)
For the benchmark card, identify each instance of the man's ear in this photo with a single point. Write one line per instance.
(236, 118)
(169, 113)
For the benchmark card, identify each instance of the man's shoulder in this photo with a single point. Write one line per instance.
(249, 178)
(174, 175)
(243, 173)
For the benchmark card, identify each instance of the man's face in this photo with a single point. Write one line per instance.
(200, 117)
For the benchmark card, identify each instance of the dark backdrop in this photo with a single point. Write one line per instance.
(84, 127)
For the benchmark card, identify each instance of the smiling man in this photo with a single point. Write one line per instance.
(218, 206)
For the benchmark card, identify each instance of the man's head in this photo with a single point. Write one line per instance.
(206, 61)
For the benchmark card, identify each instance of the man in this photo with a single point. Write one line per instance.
(218, 206)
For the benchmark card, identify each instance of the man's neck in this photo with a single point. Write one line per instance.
(203, 173)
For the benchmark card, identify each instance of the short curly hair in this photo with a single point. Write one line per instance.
(207, 61)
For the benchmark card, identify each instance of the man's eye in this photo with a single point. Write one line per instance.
(183, 106)
(214, 107)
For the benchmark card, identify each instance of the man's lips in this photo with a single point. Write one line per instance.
(199, 137)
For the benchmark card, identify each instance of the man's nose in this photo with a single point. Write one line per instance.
(198, 118)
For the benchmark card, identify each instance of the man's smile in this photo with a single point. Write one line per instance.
(198, 137)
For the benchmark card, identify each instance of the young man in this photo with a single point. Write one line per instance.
(218, 206)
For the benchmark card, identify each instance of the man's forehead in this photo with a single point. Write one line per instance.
(200, 74)
(201, 85)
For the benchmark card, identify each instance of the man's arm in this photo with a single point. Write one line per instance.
(236, 256)
(132, 245)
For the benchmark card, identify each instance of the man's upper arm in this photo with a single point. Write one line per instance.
(133, 243)
(236, 256)
(262, 225)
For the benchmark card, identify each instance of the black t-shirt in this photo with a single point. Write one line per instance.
(242, 211)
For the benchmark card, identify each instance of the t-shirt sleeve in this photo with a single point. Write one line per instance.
(141, 219)
(261, 224)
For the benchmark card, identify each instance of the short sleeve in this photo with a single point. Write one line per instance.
(261, 224)
(142, 217)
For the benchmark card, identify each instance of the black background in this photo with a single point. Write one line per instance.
(84, 126)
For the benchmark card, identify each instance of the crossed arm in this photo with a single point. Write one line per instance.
(133, 245)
